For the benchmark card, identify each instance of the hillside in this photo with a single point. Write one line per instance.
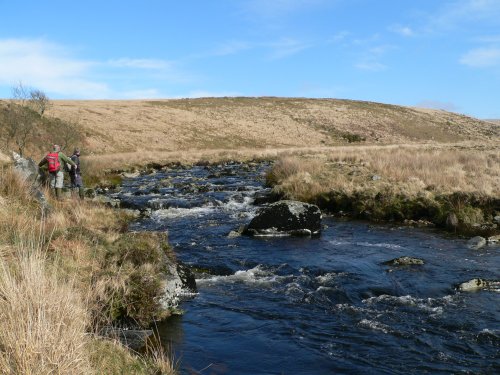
(234, 123)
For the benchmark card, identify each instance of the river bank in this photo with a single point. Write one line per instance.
(69, 271)
(455, 189)
(452, 187)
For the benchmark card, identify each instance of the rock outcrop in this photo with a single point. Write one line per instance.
(29, 172)
(286, 218)
(26, 168)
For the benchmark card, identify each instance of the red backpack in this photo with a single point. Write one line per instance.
(53, 161)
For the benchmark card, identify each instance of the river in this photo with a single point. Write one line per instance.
(314, 305)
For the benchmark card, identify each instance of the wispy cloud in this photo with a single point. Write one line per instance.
(338, 37)
(286, 47)
(371, 58)
(402, 30)
(52, 68)
(372, 66)
(231, 48)
(482, 57)
(154, 64)
(457, 12)
(272, 50)
(46, 65)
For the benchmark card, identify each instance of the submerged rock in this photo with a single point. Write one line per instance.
(134, 339)
(494, 239)
(476, 243)
(286, 218)
(479, 284)
(404, 261)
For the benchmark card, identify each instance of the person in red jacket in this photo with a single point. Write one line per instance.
(54, 161)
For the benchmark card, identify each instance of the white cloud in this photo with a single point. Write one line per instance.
(482, 57)
(47, 66)
(139, 63)
(403, 30)
(52, 68)
(231, 48)
(370, 60)
(286, 47)
(373, 66)
(460, 11)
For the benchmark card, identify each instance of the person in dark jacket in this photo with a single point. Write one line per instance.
(55, 161)
(76, 174)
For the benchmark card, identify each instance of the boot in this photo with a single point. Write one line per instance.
(81, 193)
(59, 193)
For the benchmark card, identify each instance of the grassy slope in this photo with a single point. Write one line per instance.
(235, 123)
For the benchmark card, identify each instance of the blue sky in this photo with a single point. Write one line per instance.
(439, 54)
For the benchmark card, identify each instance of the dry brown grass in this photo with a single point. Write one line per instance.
(55, 285)
(152, 130)
(409, 170)
(42, 318)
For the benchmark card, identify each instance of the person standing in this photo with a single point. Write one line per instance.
(54, 162)
(76, 174)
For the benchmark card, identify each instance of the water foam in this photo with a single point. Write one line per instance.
(431, 305)
(171, 213)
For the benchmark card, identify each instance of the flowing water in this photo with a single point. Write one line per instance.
(314, 305)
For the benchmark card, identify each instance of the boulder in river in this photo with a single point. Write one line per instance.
(286, 218)
(476, 243)
(404, 261)
(479, 284)
(179, 282)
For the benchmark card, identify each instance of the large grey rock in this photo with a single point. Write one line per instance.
(29, 172)
(286, 218)
(26, 168)
(179, 283)
(476, 243)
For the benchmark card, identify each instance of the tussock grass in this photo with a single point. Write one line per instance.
(406, 169)
(42, 318)
(60, 283)
(399, 183)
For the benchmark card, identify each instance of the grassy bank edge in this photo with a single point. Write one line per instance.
(64, 276)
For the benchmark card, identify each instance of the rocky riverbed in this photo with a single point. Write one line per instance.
(355, 298)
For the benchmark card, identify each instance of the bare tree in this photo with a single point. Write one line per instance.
(20, 93)
(20, 125)
(39, 101)
(36, 99)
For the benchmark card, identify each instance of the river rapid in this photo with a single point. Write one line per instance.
(320, 305)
